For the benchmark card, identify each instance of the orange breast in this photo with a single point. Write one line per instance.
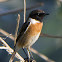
(31, 33)
(35, 28)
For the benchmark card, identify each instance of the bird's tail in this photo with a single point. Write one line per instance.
(12, 57)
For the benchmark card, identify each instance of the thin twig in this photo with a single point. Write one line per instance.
(2, 35)
(2, 47)
(17, 26)
(24, 11)
(50, 36)
(18, 9)
(42, 34)
(9, 49)
(41, 55)
(6, 34)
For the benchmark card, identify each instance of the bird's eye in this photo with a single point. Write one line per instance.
(38, 13)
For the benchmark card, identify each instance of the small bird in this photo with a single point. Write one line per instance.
(30, 31)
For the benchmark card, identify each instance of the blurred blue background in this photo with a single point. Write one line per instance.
(51, 47)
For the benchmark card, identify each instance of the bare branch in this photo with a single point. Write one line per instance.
(17, 26)
(49, 36)
(41, 55)
(24, 10)
(2, 47)
(6, 34)
(18, 9)
(9, 50)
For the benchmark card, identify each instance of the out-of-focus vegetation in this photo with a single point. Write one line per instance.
(51, 47)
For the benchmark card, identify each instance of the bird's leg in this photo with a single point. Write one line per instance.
(28, 54)
(31, 54)
(25, 52)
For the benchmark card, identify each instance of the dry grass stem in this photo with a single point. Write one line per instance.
(24, 11)
(17, 26)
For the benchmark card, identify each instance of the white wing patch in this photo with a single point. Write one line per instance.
(27, 28)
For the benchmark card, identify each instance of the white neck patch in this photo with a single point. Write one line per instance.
(33, 21)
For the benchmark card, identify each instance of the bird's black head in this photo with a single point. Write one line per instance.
(37, 14)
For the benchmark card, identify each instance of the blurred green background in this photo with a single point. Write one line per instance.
(51, 47)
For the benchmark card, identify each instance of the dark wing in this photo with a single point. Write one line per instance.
(23, 30)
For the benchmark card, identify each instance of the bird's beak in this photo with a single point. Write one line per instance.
(43, 14)
(46, 13)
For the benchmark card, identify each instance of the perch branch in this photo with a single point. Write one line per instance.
(50, 36)
(2, 47)
(9, 50)
(33, 50)
(42, 34)
(41, 55)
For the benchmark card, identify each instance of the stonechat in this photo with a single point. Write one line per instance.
(30, 31)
